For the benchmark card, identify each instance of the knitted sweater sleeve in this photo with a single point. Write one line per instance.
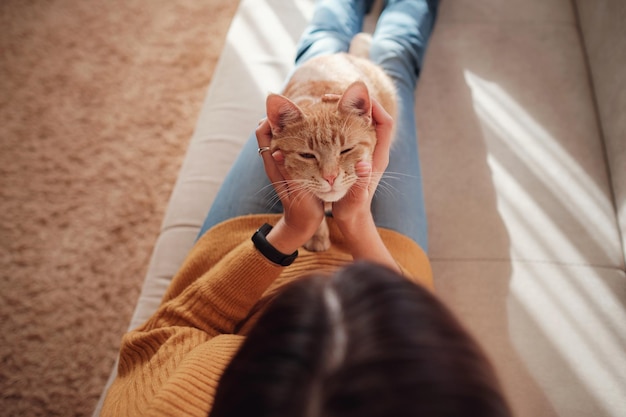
(171, 365)
(222, 296)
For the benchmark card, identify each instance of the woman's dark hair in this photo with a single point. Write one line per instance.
(363, 342)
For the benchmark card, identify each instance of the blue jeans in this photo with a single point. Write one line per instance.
(398, 46)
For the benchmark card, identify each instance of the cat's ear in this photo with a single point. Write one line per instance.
(281, 111)
(356, 100)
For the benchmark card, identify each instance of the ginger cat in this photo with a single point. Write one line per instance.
(323, 125)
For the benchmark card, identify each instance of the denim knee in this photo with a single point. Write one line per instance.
(334, 24)
(398, 58)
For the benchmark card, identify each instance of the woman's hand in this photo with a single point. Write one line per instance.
(353, 213)
(303, 212)
(355, 207)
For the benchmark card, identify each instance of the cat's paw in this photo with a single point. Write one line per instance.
(317, 244)
(320, 240)
(360, 45)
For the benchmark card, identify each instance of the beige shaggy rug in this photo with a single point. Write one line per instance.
(98, 100)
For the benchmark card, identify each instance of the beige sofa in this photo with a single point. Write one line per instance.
(522, 133)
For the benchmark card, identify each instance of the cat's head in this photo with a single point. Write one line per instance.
(323, 139)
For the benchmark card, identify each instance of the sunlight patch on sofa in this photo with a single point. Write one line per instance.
(572, 347)
(517, 143)
(271, 51)
(565, 286)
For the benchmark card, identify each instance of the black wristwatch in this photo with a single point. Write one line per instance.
(269, 251)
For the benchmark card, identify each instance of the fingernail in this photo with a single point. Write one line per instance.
(363, 168)
(278, 156)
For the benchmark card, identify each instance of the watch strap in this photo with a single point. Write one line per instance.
(270, 252)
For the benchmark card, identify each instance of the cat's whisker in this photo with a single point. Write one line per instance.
(398, 175)
(289, 187)
(272, 205)
(268, 189)
(289, 183)
(299, 199)
(268, 194)
(387, 188)
(382, 191)
(277, 196)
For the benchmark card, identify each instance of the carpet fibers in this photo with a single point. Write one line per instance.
(98, 100)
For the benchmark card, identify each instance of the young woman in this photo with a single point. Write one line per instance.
(249, 326)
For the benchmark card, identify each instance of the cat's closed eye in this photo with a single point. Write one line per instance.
(345, 151)
(307, 155)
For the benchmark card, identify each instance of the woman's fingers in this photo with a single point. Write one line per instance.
(303, 212)
(273, 162)
(279, 161)
(384, 130)
(282, 186)
(264, 137)
(363, 171)
(264, 133)
(382, 119)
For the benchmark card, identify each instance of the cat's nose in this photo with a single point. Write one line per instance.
(330, 178)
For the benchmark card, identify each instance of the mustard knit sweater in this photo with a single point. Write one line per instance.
(170, 366)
